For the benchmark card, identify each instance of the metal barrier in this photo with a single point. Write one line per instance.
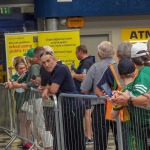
(138, 128)
(28, 112)
(71, 113)
(67, 127)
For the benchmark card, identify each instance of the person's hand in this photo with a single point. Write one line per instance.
(41, 88)
(45, 94)
(15, 85)
(120, 98)
(6, 84)
(73, 74)
(10, 68)
(36, 81)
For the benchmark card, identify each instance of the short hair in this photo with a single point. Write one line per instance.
(48, 49)
(105, 50)
(124, 50)
(38, 50)
(82, 48)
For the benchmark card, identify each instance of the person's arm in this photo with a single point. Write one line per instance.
(10, 71)
(79, 77)
(122, 99)
(98, 92)
(108, 78)
(88, 82)
(114, 113)
(143, 100)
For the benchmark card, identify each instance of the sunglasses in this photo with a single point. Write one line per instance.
(46, 53)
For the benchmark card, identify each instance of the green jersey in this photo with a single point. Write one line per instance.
(140, 116)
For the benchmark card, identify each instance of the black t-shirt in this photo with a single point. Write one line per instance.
(61, 75)
(83, 67)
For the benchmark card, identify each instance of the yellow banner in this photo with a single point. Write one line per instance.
(18, 44)
(64, 44)
(135, 34)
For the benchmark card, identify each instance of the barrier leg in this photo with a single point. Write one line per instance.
(119, 133)
(10, 141)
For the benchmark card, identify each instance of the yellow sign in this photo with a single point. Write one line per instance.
(18, 44)
(135, 34)
(64, 44)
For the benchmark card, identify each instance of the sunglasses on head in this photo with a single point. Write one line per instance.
(46, 53)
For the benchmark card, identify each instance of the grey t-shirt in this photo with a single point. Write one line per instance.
(94, 74)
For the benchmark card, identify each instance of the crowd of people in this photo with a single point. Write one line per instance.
(127, 78)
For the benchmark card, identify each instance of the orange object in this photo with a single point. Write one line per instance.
(75, 22)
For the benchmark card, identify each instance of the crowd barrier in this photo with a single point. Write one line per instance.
(30, 113)
(133, 134)
(65, 122)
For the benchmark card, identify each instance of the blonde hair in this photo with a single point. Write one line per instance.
(105, 50)
(48, 49)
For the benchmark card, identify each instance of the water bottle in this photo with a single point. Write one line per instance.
(72, 66)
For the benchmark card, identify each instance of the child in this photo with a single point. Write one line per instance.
(126, 71)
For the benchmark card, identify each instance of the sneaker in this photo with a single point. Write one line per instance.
(27, 145)
(88, 141)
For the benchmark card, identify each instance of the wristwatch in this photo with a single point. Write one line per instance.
(129, 102)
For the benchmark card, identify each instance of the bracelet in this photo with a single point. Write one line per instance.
(117, 107)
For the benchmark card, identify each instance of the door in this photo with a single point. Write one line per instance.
(92, 42)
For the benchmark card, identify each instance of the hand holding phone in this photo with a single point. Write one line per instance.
(33, 76)
(107, 89)
(10, 80)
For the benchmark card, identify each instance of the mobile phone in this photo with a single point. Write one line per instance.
(33, 76)
(107, 89)
(10, 80)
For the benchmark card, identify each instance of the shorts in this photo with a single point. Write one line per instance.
(87, 103)
(49, 116)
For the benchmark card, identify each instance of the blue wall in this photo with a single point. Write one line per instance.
(15, 22)
(52, 8)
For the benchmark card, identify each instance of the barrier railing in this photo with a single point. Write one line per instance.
(137, 127)
(30, 103)
(133, 134)
(66, 127)
(71, 113)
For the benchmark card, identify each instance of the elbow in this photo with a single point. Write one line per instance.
(84, 92)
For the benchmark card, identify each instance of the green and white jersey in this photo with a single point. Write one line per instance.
(140, 116)
(141, 83)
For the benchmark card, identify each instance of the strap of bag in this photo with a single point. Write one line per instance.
(114, 70)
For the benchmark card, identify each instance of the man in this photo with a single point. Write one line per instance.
(110, 77)
(41, 122)
(60, 81)
(105, 53)
(86, 62)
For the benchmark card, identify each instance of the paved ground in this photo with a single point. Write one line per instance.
(4, 138)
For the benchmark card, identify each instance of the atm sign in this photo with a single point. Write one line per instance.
(135, 34)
